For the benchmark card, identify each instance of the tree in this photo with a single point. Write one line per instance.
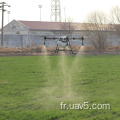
(115, 20)
(69, 26)
(96, 26)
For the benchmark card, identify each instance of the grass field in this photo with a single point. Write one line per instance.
(32, 88)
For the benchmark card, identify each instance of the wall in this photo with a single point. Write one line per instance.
(13, 41)
(36, 40)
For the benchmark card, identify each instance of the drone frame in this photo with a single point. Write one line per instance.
(66, 40)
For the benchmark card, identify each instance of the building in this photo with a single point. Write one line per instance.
(39, 28)
(31, 33)
(28, 33)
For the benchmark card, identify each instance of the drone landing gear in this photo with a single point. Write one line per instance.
(64, 49)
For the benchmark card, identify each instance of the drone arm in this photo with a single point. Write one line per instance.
(82, 38)
(45, 38)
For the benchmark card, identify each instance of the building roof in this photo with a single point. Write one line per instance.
(40, 25)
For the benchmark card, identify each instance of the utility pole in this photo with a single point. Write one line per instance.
(2, 5)
(40, 6)
(65, 14)
(8, 15)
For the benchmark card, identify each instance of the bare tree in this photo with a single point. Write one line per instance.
(115, 20)
(68, 26)
(96, 26)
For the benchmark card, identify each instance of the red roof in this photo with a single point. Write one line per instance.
(40, 25)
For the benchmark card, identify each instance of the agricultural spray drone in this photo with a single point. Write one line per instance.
(63, 41)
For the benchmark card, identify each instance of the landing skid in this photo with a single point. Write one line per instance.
(64, 49)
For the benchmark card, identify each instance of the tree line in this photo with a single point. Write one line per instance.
(97, 25)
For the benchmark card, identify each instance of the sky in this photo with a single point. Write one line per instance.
(76, 9)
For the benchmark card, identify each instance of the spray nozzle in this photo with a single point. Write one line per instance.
(44, 42)
(82, 41)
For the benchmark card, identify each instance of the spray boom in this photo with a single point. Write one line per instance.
(64, 39)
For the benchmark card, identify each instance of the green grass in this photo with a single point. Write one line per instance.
(33, 87)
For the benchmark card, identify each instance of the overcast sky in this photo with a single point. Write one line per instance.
(77, 9)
